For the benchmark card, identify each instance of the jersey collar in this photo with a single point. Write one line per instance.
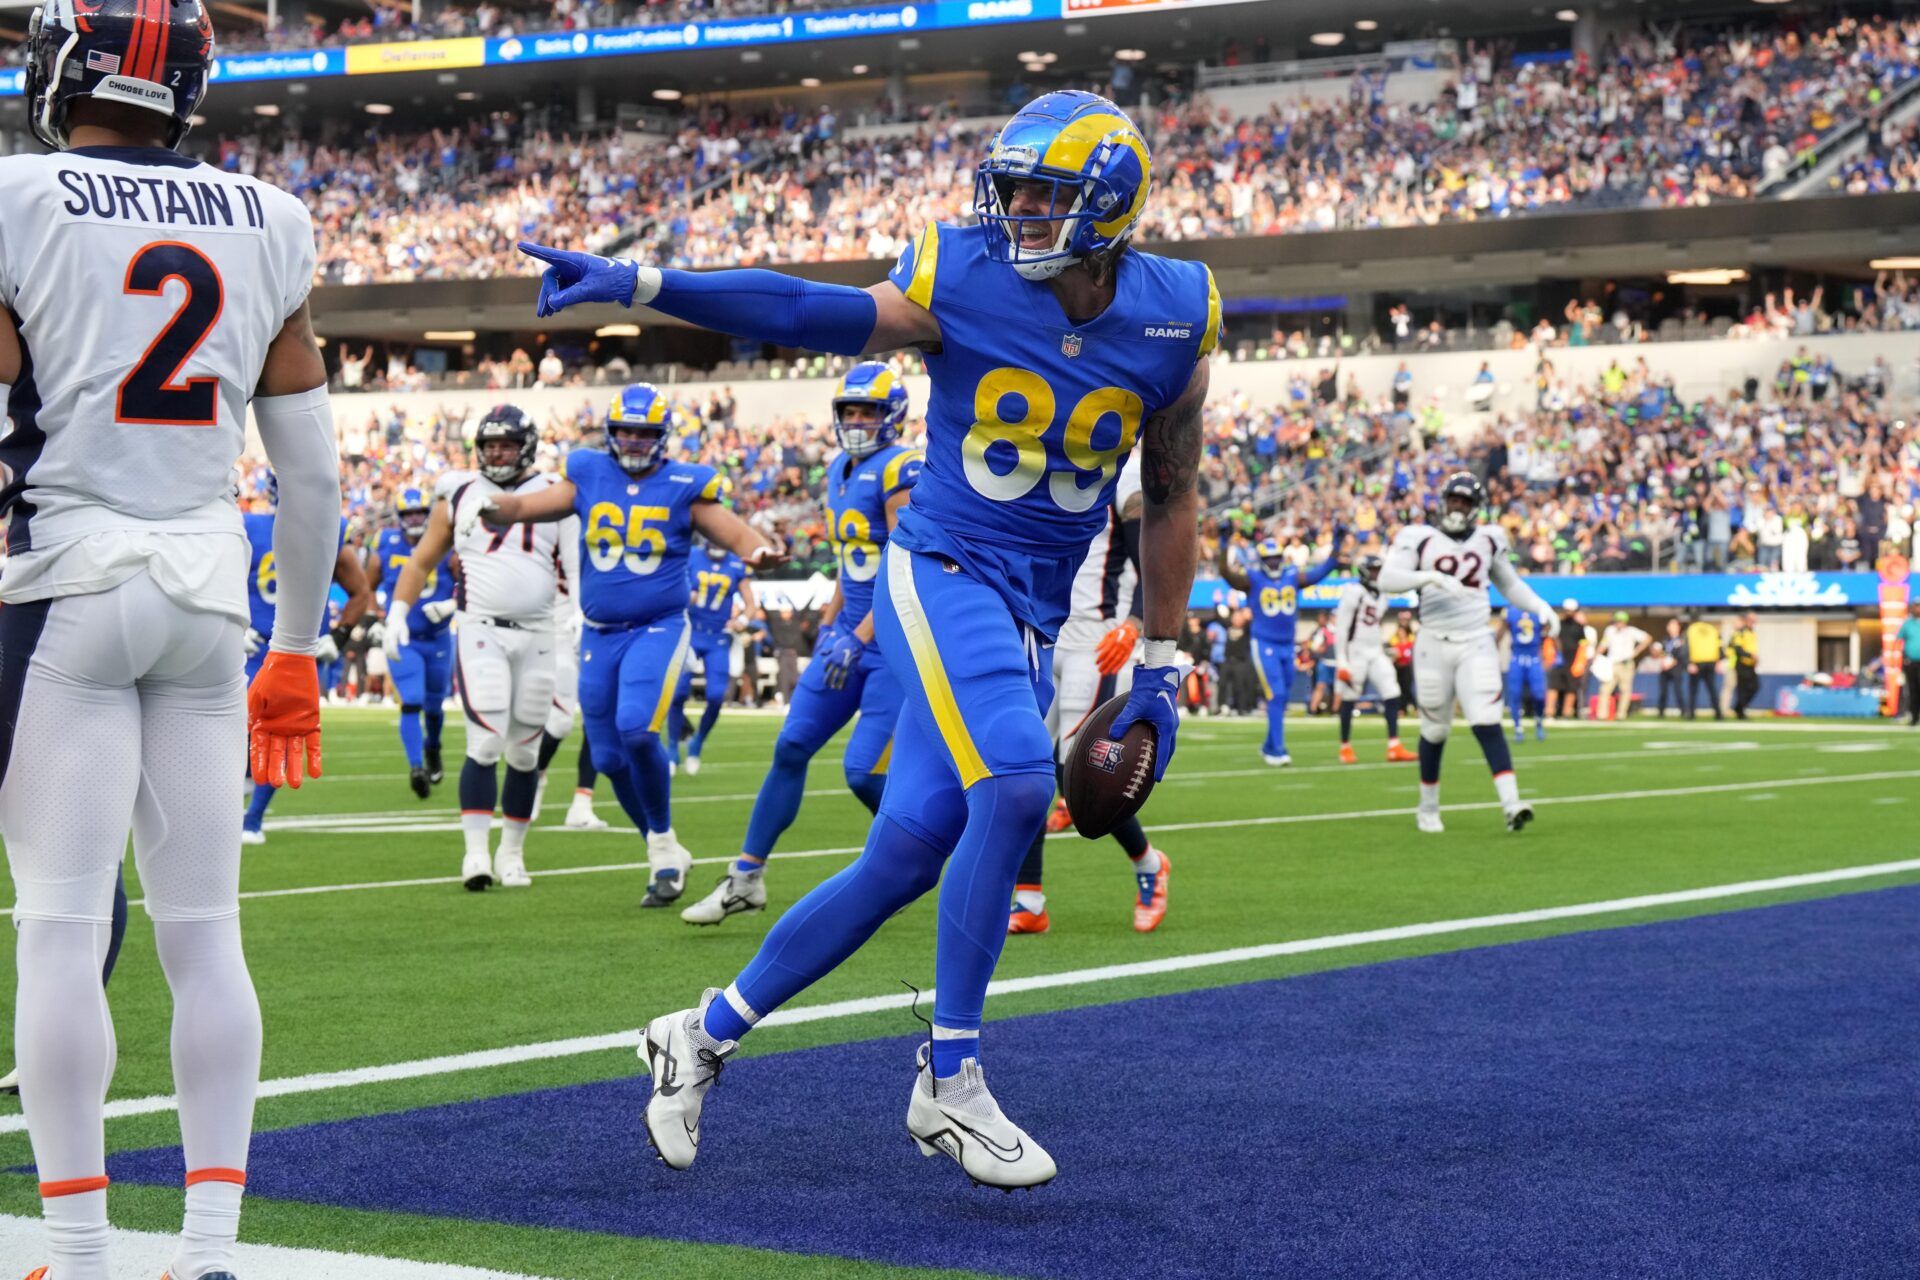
(156, 156)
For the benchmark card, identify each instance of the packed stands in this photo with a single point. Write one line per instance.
(1658, 121)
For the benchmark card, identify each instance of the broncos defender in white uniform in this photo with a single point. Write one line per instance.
(506, 636)
(1092, 661)
(145, 299)
(1454, 656)
(1361, 667)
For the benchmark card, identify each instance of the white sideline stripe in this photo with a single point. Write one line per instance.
(578, 1045)
(145, 1253)
(1220, 824)
(412, 817)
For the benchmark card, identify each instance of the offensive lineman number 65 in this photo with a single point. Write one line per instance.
(150, 394)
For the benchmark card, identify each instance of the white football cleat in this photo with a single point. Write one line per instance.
(1518, 816)
(580, 814)
(1280, 761)
(693, 765)
(667, 867)
(685, 1062)
(510, 870)
(958, 1117)
(476, 871)
(11, 1083)
(732, 896)
(249, 836)
(1428, 820)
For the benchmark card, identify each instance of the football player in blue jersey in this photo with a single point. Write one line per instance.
(1053, 349)
(1273, 588)
(423, 673)
(638, 513)
(263, 589)
(868, 484)
(718, 579)
(1526, 673)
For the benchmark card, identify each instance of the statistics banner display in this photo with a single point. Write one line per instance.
(1714, 591)
(614, 42)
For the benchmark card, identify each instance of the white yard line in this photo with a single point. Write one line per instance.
(1214, 825)
(145, 1253)
(579, 1045)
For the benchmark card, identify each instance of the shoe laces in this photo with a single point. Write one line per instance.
(932, 1077)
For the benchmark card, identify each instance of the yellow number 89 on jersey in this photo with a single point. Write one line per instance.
(1007, 391)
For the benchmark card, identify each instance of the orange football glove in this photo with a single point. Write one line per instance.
(1116, 648)
(1343, 675)
(283, 720)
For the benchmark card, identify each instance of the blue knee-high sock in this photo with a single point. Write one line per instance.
(778, 803)
(868, 788)
(709, 717)
(1517, 703)
(1391, 710)
(627, 792)
(653, 782)
(257, 807)
(1494, 743)
(1276, 724)
(410, 734)
(516, 798)
(436, 721)
(118, 934)
(832, 922)
(479, 787)
(1002, 815)
(1430, 761)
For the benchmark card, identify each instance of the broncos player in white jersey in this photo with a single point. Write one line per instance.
(507, 638)
(1454, 656)
(1091, 663)
(1361, 667)
(145, 301)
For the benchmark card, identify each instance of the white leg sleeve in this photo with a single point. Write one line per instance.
(1433, 673)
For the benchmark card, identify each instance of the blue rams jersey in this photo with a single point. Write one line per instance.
(635, 533)
(1032, 415)
(1276, 598)
(715, 578)
(394, 551)
(1524, 633)
(263, 580)
(857, 494)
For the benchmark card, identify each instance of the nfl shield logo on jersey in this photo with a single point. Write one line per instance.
(1105, 755)
(1070, 345)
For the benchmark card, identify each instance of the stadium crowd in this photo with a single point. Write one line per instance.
(1813, 471)
(1659, 119)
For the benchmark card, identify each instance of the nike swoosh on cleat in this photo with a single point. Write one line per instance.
(1006, 1154)
(664, 1083)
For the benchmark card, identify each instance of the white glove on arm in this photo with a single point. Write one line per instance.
(398, 634)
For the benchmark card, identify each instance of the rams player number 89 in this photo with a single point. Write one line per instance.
(1053, 350)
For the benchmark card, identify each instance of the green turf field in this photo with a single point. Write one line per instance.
(366, 951)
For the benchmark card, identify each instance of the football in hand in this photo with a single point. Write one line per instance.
(1107, 779)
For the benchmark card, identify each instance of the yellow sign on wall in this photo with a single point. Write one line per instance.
(416, 55)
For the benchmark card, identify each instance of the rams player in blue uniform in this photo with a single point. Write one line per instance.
(867, 487)
(717, 579)
(1273, 588)
(638, 514)
(1526, 673)
(1053, 349)
(263, 589)
(423, 673)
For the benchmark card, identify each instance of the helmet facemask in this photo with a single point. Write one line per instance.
(859, 425)
(637, 446)
(1456, 520)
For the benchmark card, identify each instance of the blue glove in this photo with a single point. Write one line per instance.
(572, 278)
(1152, 700)
(841, 652)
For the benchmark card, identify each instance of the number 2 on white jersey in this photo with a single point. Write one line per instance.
(150, 394)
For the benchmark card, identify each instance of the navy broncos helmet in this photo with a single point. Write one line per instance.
(154, 54)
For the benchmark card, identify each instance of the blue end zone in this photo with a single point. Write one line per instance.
(1733, 1095)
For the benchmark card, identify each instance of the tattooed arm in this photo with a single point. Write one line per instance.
(1170, 522)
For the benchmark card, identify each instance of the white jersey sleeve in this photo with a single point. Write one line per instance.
(1460, 607)
(510, 574)
(148, 288)
(1344, 615)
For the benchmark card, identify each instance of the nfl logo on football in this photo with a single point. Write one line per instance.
(1105, 754)
(1070, 345)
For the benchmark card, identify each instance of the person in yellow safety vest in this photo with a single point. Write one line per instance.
(1745, 647)
(1703, 666)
